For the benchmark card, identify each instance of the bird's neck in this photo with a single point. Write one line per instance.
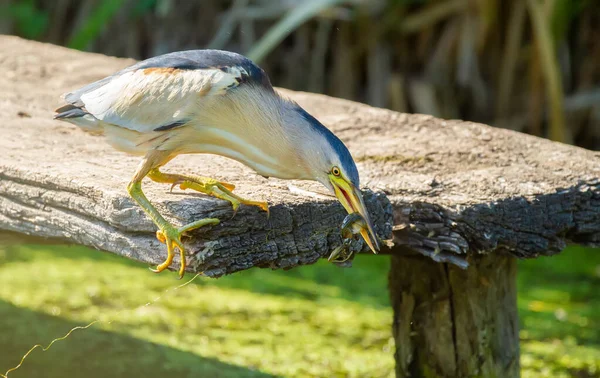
(253, 128)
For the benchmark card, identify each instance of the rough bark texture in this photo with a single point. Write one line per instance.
(57, 181)
(450, 322)
(454, 186)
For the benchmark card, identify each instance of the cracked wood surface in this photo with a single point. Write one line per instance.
(447, 187)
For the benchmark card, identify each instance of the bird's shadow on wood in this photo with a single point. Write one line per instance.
(94, 353)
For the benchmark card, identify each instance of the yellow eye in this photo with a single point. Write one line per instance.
(335, 171)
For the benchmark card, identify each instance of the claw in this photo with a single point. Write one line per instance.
(227, 186)
(198, 224)
(206, 185)
(161, 236)
(171, 236)
(170, 255)
(235, 205)
(264, 206)
(182, 259)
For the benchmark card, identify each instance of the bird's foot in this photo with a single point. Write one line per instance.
(171, 236)
(223, 191)
(203, 184)
(207, 186)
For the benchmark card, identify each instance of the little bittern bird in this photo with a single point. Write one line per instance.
(218, 102)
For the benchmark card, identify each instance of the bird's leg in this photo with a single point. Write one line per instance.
(167, 233)
(205, 185)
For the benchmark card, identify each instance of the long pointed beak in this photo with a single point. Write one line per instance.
(352, 200)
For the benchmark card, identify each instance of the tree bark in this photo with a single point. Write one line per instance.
(450, 322)
(448, 188)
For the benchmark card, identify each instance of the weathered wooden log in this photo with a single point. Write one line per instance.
(458, 195)
(57, 181)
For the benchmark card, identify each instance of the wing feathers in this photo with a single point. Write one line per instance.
(164, 92)
(146, 100)
(172, 125)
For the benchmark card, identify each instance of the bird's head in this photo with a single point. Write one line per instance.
(331, 164)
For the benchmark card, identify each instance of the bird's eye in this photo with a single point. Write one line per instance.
(335, 171)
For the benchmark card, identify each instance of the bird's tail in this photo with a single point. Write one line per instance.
(79, 117)
(120, 138)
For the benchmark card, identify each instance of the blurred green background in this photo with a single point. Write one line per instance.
(317, 320)
(532, 66)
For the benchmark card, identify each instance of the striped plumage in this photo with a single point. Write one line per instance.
(210, 101)
(219, 102)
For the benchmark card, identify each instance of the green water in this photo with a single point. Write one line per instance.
(317, 320)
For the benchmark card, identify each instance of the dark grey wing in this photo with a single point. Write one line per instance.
(74, 98)
(208, 59)
(161, 92)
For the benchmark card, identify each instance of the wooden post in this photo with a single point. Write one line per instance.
(450, 322)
